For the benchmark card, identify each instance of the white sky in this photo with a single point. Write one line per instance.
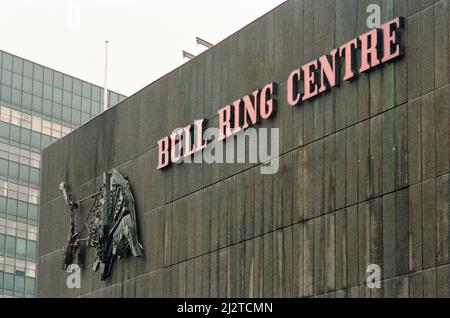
(146, 36)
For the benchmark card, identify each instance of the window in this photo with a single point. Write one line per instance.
(48, 76)
(47, 107)
(12, 206)
(7, 61)
(33, 212)
(22, 208)
(21, 246)
(28, 69)
(85, 118)
(86, 90)
(9, 281)
(10, 245)
(17, 65)
(76, 117)
(2, 245)
(31, 249)
(38, 73)
(58, 79)
(37, 88)
(77, 86)
(2, 203)
(57, 95)
(26, 101)
(16, 97)
(96, 93)
(27, 85)
(25, 136)
(6, 94)
(6, 77)
(57, 110)
(67, 99)
(16, 81)
(48, 92)
(29, 285)
(86, 105)
(20, 282)
(24, 173)
(68, 83)
(34, 176)
(76, 102)
(37, 104)
(36, 140)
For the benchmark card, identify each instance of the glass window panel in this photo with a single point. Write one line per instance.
(10, 245)
(19, 283)
(86, 105)
(27, 85)
(4, 167)
(9, 281)
(96, 93)
(6, 77)
(46, 140)
(48, 93)
(87, 90)
(76, 117)
(21, 246)
(15, 133)
(34, 176)
(57, 95)
(22, 209)
(85, 118)
(36, 140)
(24, 173)
(37, 88)
(77, 86)
(95, 108)
(67, 99)
(31, 249)
(28, 69)
(68, 83)
(2, 245)
(17, 65)
(48, 76)
(29, 285)
(33, 211)
(38, 72)
(76, 102)
(57, 110)
(7, 61)
(25, 137)
(36, 123)
(2, 203)
(13, 170)
(16, 97)
(67, 115)
(47, 107)
(26, 100)
(17, 81)
(6, 94)
(37, 104)
(58, 79)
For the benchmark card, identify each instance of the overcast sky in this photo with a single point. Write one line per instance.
(146, 36)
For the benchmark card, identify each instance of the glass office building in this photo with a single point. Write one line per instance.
(38, 105)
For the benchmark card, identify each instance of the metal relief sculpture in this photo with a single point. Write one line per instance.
(112, 226)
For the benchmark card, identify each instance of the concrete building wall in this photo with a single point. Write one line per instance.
(364, 170)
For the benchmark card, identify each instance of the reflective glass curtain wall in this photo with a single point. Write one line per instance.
(38, 105)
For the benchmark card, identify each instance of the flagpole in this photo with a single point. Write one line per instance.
(105, 90)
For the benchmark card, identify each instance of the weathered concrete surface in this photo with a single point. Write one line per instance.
(364, 171)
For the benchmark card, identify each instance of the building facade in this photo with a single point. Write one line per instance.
(363, 179)
(38, 106)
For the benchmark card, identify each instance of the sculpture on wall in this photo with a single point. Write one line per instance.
(112, 227)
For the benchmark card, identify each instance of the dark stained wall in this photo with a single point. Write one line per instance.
(364, 170)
